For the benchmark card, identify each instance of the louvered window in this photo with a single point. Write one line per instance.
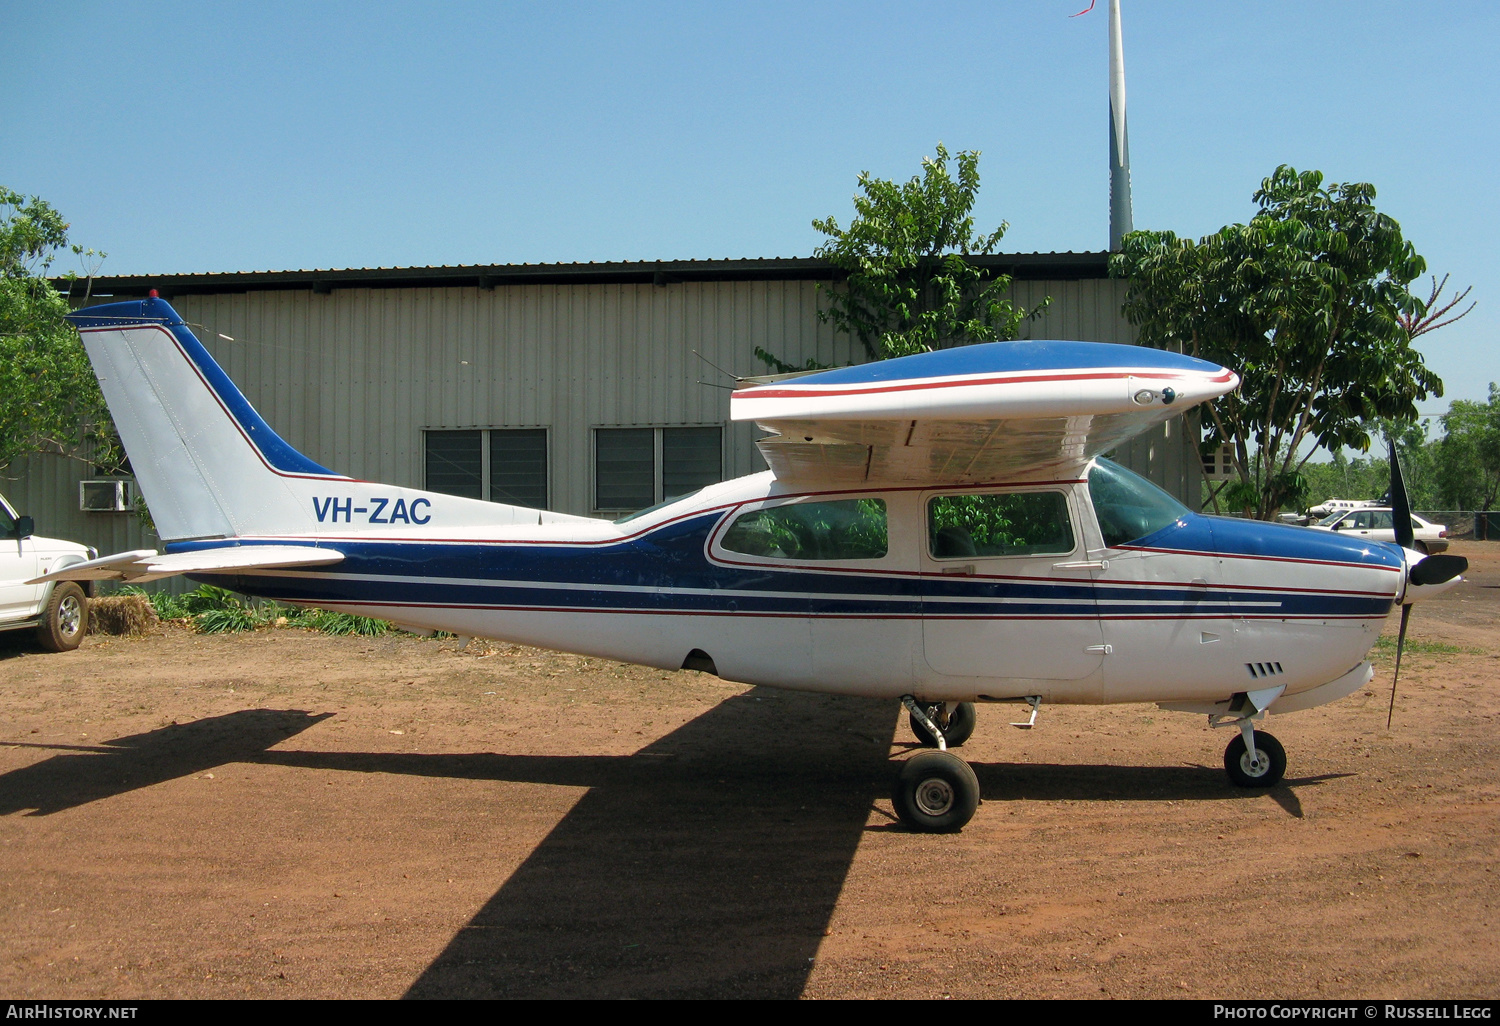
(500, 464)
(639, 467)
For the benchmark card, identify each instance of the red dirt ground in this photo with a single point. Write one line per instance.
(286, 814)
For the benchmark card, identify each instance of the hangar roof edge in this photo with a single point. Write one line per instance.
(1033, 266)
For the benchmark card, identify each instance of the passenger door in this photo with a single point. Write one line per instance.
(1007, 589)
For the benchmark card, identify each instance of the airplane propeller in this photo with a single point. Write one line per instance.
(1425, 571)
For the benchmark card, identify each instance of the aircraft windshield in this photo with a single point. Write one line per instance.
(1127, 505)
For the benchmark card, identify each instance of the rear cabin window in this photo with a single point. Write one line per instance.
(821, 531)
(1012, 524)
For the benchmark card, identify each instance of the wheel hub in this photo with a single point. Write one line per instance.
(1255, 765)
(934, 796)
(69, 616)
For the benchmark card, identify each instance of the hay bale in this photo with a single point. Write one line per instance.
(121, 614)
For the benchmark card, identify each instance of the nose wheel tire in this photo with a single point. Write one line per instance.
(65, 620)
(936, 793)
(1264, 770)
(959, 728)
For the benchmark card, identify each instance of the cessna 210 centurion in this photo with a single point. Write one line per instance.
(937, 529)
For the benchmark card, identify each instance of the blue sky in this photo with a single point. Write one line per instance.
(231, 137)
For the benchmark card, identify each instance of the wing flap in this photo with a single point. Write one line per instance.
(142, 565)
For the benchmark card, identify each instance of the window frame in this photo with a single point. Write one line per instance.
(657, 474)
(485, 486)
(719, 554)
(1070, 507)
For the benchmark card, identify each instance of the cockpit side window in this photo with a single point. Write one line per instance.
(1127, 506)
(822, 531)
(1006, 524)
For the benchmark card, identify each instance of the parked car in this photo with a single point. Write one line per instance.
(57, 611)
(1377, 524)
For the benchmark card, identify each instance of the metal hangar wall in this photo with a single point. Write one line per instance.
(573, 383)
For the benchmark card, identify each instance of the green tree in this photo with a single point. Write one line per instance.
(1468, 456)
(910, 284)
(1307, 303)
(49, 399)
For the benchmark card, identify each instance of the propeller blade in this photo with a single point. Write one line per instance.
(1400, 644)
(1400, 504)
(1437, 569)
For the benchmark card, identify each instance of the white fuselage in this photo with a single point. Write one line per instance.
(1200, 610)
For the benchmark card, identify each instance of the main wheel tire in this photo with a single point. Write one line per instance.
(65, 620)
(936, 793)
(961, 722)
(1265, 771)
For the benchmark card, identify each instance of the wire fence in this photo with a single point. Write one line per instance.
(1483, 525)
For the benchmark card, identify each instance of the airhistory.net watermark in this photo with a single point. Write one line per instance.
(47, 1010)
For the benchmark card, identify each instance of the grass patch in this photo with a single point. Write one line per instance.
(339, 623)
(226, 621)
(1386, 645)
(215, 610)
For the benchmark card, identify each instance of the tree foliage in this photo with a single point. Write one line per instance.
(910, 286)
(1468, 463)
(49, 399)
(1307, 303)
(1370, 478)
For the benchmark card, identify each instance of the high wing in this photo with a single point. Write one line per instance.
(148, 565)
(998, 411)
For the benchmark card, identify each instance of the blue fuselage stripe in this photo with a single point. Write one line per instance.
(667, 571)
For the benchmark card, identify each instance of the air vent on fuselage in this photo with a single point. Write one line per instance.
(1259, 670)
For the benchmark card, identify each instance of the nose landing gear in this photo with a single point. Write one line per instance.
(1260, 766)
(1254, 758)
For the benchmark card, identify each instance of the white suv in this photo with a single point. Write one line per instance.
(57, 611)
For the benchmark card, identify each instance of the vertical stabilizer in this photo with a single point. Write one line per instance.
(211, 468)
(207, 463)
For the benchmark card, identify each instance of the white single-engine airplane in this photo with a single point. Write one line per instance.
(937, 529)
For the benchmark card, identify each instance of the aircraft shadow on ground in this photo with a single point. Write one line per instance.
(91, 772)
(1009, 782)
(708, 864)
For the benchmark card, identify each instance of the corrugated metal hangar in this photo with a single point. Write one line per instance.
(573, 387)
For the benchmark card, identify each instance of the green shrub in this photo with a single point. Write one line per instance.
(344, 623)
(224, 621)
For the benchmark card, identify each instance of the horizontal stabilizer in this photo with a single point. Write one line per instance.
(149, 565)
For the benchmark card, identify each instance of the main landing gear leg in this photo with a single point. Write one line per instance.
(937, 792)
(953, 722)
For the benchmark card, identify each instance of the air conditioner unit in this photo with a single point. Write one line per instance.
(111, 496)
